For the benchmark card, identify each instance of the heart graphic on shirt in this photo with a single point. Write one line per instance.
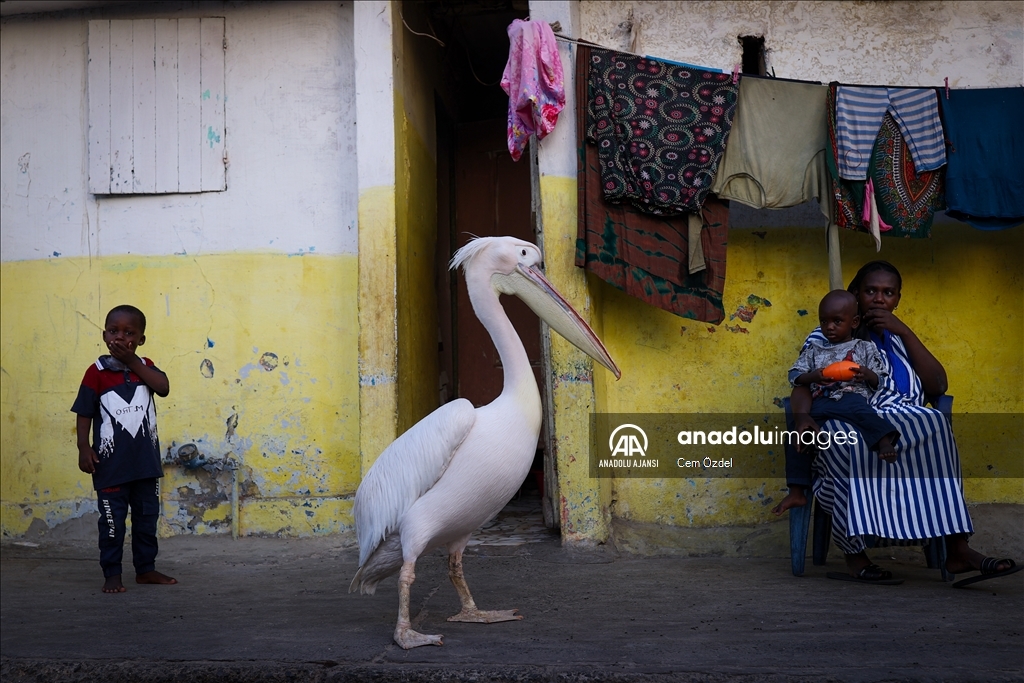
(128, 415)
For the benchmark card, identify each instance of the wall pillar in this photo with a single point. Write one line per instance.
(378, 305)
(583, 501)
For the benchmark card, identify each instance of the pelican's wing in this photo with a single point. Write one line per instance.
(406, 470)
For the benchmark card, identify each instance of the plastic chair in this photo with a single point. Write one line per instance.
(800, 517)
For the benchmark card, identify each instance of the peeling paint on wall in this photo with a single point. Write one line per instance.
(200, 503)
(376, 380)
(232, 424)
(579, 372)
(746, 312)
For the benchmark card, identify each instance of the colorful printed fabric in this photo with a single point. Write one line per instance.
(647, 256)
(660, 129)
(985, 180)
(534, 83)
(859, 113)
(906, 200)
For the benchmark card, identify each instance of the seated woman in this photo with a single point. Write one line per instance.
(920, 495)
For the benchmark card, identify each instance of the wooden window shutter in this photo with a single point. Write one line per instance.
(156, 106)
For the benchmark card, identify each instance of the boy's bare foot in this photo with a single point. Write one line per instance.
(155, 577)
(113, 584)
(794, 499)
(886, 451)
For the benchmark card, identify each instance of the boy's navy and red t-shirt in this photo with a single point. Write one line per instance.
(123, 423)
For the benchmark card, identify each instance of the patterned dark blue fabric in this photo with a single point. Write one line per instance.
(660, 130)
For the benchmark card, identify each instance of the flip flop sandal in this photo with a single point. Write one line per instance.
(989, 571)
(869, 574)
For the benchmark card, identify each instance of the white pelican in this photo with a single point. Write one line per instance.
(456, 468)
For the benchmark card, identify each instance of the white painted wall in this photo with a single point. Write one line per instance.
(556, 154)
(291, 143)
(914, 43)
(375, 84)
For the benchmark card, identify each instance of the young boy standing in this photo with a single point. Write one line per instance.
(835, 399)
(116, 399)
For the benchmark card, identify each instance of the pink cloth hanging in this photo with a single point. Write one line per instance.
(872, 219)
(534, 83)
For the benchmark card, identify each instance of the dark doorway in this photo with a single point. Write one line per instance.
(481, 192)
(492, 198)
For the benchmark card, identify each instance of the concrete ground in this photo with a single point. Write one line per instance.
(267, 609)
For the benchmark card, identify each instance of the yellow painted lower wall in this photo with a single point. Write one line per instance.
(261, 353)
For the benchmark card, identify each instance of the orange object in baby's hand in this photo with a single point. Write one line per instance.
(842, 371)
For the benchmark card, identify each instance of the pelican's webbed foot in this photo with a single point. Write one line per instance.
(408, 639)
(469, 611)
(479, 616)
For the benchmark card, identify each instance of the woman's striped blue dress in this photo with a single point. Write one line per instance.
(920, 496)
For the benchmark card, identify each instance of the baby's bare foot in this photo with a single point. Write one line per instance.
(886, 451)
(155, 577)
(113, 584)
(795, 499)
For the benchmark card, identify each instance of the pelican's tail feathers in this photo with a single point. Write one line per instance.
(385, 560)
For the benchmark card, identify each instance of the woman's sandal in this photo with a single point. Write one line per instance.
(869, 574)
(988, 571)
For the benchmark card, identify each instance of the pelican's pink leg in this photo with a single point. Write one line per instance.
(404, 635)
(469, 611)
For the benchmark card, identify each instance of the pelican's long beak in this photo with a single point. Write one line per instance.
(540, 295)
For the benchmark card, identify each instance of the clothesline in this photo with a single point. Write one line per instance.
(580, 41)
(784, 80)
(556, 27)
